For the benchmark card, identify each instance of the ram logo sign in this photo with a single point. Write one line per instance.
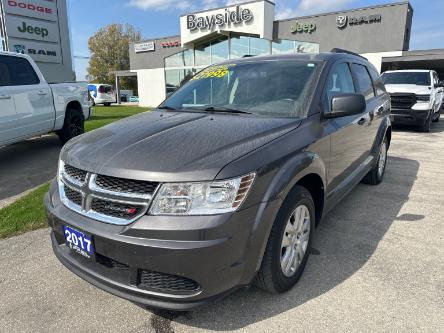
(39, 51)
(341, 21)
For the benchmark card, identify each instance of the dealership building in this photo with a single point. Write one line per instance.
(379, 33)
(40, 29)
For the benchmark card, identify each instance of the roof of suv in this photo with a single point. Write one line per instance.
(324, 56)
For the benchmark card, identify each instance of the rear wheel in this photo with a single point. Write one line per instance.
(73, 125)
(107, 104)
(289, 243)
(376, 174)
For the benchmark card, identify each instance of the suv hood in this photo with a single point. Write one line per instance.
(408, 88)
(172, 146)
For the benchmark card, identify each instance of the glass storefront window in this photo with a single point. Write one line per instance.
(181, 59)
(219, 50)
(304, 47)
(239, 46)
(203, 55)
(259, 46)
(284, 47)
(174, 78)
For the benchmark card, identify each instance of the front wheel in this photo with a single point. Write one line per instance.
(73, 125)
(428, 123)
(376, 174)
(437, 116)
(289, 243)
(107, 104)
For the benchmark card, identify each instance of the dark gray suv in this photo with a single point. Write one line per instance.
(224, 183)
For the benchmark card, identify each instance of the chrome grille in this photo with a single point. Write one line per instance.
(73, 195)
(112, 200)
(76, 174)
(166, 282)
(130, 186)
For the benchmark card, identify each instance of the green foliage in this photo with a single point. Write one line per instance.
(110, 52)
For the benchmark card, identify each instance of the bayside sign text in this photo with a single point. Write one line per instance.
(237, 16)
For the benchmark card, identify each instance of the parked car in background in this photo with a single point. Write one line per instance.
(416, 97)
(29, 106)
(224, 183)
(102, 93)
(134, 99)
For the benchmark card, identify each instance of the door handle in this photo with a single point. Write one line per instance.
(42, 92)
(5, 96)
(362, 121)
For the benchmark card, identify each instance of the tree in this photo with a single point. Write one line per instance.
(110, 52)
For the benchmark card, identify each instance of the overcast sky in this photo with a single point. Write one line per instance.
(157, 18)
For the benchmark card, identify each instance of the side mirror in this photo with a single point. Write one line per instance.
(440, 84)
(343, 105)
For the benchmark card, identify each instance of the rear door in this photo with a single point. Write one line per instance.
(8, 114)
(348, 133)
(370, 120)
(439, 91)
(32, 97)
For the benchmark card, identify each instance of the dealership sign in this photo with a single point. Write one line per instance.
(228, 17)
(254, 17)
(144, 47)
(21, 27)
(343, 20)
(41, 9)
(307, 27)
(174, 43)
(42, 52)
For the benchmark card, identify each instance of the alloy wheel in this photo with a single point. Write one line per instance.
(295, 240)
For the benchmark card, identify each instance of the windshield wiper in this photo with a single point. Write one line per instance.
(225, 109)
(166, 107)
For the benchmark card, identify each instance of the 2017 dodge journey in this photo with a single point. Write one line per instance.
(223, 184)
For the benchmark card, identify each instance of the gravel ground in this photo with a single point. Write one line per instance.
(377, 265)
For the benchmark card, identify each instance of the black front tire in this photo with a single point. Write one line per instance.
(428, 123)
(73, 125)
(270, 276)
(376, 175)
(107, 104)
(437, 116)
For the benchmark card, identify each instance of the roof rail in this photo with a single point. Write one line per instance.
(338, 50)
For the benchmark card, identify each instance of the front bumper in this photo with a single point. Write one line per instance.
(409, 116)
(219, 253)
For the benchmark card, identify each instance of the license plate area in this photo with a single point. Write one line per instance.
(78, 241)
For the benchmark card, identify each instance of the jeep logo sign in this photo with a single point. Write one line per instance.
(33, 30)
(236, 16)
(307, 27)
(26, 28)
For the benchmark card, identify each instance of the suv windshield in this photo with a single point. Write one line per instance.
(416, 78)
(276, 88)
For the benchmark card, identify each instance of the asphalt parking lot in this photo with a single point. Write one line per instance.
(376, 265)
(27, 164)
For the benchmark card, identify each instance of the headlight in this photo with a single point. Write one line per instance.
(202, 198)
(423, 98)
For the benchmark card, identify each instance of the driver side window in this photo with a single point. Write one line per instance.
(339, 81)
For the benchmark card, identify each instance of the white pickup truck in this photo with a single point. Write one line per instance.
(29, 106)
(416, 97)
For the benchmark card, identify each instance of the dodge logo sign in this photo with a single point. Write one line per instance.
(341, 21)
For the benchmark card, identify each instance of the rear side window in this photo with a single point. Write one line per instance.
(339, 81)
(15, 71)
(364, 82)
(377, 80)
(5, 76)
